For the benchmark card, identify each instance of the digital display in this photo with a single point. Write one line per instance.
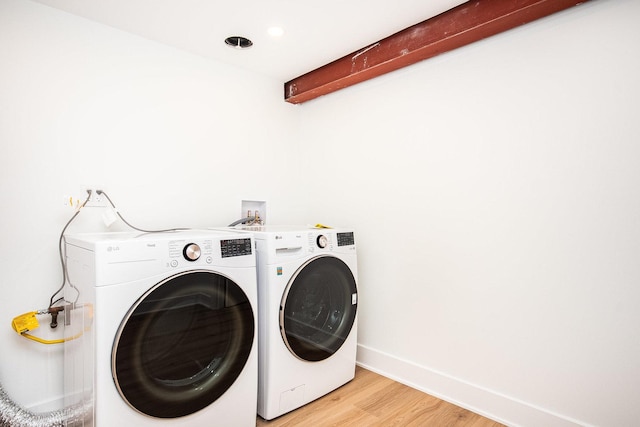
(235, 247)
(346, 239)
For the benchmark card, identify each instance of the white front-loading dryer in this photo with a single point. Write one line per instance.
(162, 328)
(307, 303)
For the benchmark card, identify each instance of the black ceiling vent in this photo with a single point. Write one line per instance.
(238, 42)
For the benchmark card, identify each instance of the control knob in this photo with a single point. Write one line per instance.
(322, 241)
(191, 252)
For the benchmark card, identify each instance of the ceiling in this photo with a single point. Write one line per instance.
(315, 33)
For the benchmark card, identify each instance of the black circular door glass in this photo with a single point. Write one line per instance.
(318, 308)
(183, 344)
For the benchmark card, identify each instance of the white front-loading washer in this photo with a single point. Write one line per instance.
(162, 328)
(307, 304)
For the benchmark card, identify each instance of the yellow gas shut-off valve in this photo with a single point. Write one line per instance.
(28, 322)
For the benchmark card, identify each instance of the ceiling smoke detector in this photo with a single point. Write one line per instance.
(238, 42)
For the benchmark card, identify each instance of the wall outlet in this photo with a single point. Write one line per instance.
(96, 200)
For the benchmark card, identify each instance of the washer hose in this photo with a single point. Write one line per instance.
(242, 221)
(13, 415)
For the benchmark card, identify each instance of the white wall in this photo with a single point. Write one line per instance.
(175, 139)
(494, 191)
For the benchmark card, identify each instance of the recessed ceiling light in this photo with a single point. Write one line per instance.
(275, 31)
(238, 42)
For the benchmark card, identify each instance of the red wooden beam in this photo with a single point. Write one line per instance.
(462, 25)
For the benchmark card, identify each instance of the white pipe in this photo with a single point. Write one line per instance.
(13, 415)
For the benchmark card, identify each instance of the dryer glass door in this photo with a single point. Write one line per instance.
(318, 308)
(183, 344)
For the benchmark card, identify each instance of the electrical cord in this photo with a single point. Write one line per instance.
(27, 322)
(60, 251)
(135, 228)
(52, 303)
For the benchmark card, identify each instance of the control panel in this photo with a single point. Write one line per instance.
(327, 240)
(235, 247)
(346, 239)
(190, 251)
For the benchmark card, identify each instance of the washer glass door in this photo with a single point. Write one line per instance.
(183, 344)
(318, 308)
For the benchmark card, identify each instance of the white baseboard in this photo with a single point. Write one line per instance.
(500, 408)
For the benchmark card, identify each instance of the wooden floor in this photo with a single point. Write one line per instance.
(373, 400)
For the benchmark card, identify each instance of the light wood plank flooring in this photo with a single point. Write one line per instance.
(373, 400)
